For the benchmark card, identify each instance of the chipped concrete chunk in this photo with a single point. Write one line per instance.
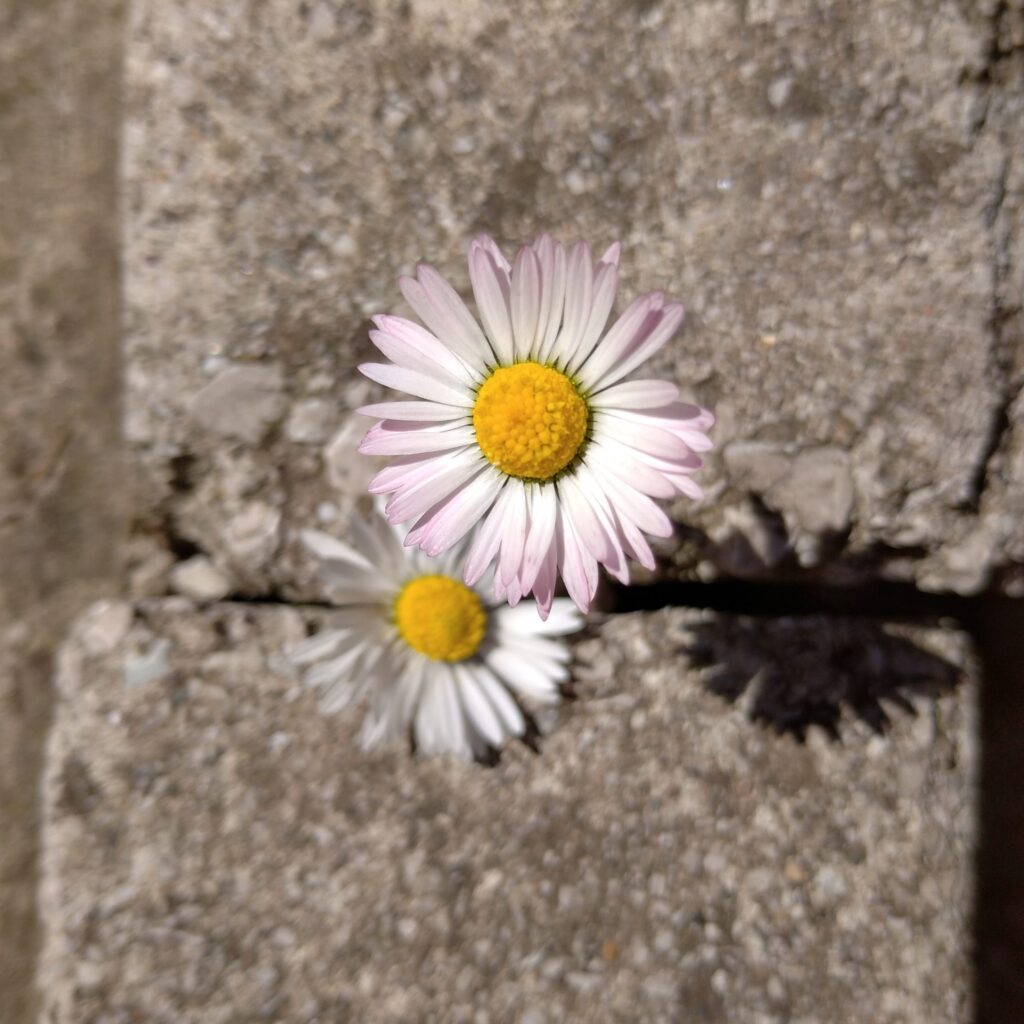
(241, 403)
(200, 579)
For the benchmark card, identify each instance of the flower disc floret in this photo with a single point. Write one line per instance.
(441, 618)
(530, 420)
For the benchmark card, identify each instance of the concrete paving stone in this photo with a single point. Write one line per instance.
(216, 849)
(830, 189)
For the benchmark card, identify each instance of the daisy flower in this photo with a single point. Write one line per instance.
(526, 427)
(424, 651)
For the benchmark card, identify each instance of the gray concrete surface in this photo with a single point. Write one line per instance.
(219, 850)
(63, 492)
(833, 190)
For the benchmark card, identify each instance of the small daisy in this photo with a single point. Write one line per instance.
(426, 652)
(527, 427)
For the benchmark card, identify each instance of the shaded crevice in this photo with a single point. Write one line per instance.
(1000, 347)
(1001, 65)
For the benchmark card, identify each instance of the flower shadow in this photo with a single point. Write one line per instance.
(795, 673)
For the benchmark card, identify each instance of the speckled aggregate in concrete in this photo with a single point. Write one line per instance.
(832, 190)
(217, 850)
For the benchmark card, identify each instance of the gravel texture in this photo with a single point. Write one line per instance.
(833, 190)
(218, 850)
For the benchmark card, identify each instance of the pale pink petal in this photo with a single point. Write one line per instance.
(487, 538)
(635, 544)
(490, 246)
(584, 520)
(612, 253)
(553, 271)
(689, 487)
(543, 515)
(525, 301)
(438, 305)
(458, 514)
(513, 534)
(650, 439)
(412, 502)
(492, 289)
(579, 286)
(391, 437)
(593, 494)
(408, 344)
(409, 470)
(422, 411)
(631, 504)
(416, 384)
(547, 576)
(606, 281)
(642, 350)
(636, 394)
(640, 317)
(579, 569)
(623, 463)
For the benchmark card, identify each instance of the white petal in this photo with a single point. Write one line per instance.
(315, 648)
(330, 549)
(478, 708)
(455, 732)
(335, 668)
(522, 675)
(564, 618)
(418, 384)
(506, 708)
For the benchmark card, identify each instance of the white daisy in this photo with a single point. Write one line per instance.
(424, 651)
(527, 428)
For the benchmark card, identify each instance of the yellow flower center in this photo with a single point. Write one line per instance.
(440, 617)
(530, 420)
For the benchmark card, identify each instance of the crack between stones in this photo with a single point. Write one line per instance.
(888, 601)
(998, 355)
